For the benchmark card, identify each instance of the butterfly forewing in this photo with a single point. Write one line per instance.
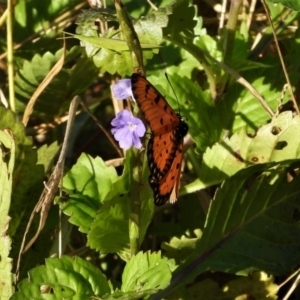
(166, 142)
(153, 106)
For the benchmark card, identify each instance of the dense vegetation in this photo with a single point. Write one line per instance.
(96, 234)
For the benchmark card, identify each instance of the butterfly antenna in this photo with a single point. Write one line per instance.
(166, 74)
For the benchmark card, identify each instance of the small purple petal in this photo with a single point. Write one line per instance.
(140, 129)
(122, 89)
(136, 141)
(122, 118)
(128, 130)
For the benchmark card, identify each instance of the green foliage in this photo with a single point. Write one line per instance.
(7, 152)
(89, 181)
(295, 5)
(107, 56)
(238, 212)
(68, 83)
(143, 275)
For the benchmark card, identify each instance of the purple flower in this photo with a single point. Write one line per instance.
(128, 130)
(122, 89)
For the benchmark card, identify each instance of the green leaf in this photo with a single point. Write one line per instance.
(111, 44)
(183, 20)
(114, 60)
(273, 142)
(147, 271)
(250, 224)
(180, 248)
(295, 5)
(27, 185)
(63, 278)
(46, 155)
(70, 81)
(111, 231)
(87, 184)
(7, 154)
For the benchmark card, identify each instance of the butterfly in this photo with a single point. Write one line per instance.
(165, 146)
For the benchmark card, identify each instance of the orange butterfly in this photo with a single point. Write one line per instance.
(166, 142)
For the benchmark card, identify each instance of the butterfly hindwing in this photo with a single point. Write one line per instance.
(161, 152)
(166, 142)
(166, 187)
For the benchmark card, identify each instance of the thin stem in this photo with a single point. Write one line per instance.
(10, 56)
(3, 17)
(251, 12)
(281, 58)
(231, 29)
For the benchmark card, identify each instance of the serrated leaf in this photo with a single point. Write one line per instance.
(273, 142)
(111, 231)
(182, 21)
(146, 271)
(7, 161)
(87, 184)
(27, 185)
(57, 95)
(250, 224)
(114, 60)
(63, 278)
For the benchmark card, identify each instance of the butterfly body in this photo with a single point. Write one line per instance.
(165, 147)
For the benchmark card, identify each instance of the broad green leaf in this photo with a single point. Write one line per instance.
(295, 5)
(273, 142)
(111, 44)
(61, 279)
(87, 184)
(114, 60)
(111, 231)
(7, 154)
(250, 224)
(147, 271)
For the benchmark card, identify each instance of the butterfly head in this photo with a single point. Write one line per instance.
(182, 129)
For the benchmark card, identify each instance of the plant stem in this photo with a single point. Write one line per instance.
(230, 30)
(10, 57)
